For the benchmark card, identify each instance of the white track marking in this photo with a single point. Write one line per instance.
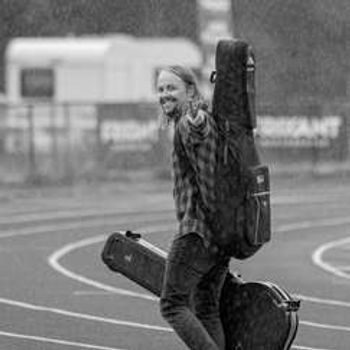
(300, 347)
(56, 256)
(73, 213)
(94, 318)
(317, 257)
(49, 228)
(312, 199)
(90, 346)
(92, 292)
(69, 248)
(312, 224)
(54, 262)
(82, 316)
(330, 302)
(55, 341)
(326, 326)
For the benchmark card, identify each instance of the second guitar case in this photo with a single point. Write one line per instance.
(255, 315)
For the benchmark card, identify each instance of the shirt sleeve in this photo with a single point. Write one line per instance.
(199, 137)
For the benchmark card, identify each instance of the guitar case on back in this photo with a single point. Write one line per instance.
(241, 222)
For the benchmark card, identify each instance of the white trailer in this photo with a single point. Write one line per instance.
(110, 69)
(55, 84)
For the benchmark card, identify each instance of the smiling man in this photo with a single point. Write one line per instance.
(195, 269)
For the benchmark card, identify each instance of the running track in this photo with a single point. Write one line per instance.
(56, 294)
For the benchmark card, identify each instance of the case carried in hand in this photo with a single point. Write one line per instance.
(136, 259)
(258, 315)
(255, 315)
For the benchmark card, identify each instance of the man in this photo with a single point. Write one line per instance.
(195, 269)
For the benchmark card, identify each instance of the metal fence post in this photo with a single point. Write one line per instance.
(54, 145)
(31, 144)
(99, 145)
(68, 171)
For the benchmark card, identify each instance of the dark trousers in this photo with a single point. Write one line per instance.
(193, 280)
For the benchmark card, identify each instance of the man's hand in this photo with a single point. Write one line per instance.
(197, 119)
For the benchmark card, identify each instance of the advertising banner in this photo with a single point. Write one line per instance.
(299, 131)
(128, 127)
(129, 135)
(325, 135)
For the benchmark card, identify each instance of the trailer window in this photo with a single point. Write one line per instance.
(37, 83)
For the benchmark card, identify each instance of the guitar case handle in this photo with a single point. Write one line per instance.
(133, 235)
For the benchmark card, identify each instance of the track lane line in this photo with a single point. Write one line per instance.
(317, 257)
(340, 221)
(82, 316)
(55, 341)
(316, 300)
(56, 256)
(301, 347)
(89, 317)
(98, 222)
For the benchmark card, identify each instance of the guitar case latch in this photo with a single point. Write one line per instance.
(291, 305)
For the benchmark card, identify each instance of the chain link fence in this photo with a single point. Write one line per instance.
(56, 143)
(66, 142)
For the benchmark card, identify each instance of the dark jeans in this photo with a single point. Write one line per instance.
(189, 302)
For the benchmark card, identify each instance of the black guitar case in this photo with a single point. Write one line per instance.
(255, 315)
(241, 222)
(234, 84)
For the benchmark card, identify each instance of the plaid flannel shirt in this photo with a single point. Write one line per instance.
(194, 163)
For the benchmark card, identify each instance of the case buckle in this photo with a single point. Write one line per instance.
(291, 305)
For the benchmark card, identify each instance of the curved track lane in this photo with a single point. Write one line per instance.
(55, 292)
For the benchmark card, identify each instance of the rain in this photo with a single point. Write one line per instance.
(86, 155)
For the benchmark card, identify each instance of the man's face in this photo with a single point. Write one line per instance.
(172, 93)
